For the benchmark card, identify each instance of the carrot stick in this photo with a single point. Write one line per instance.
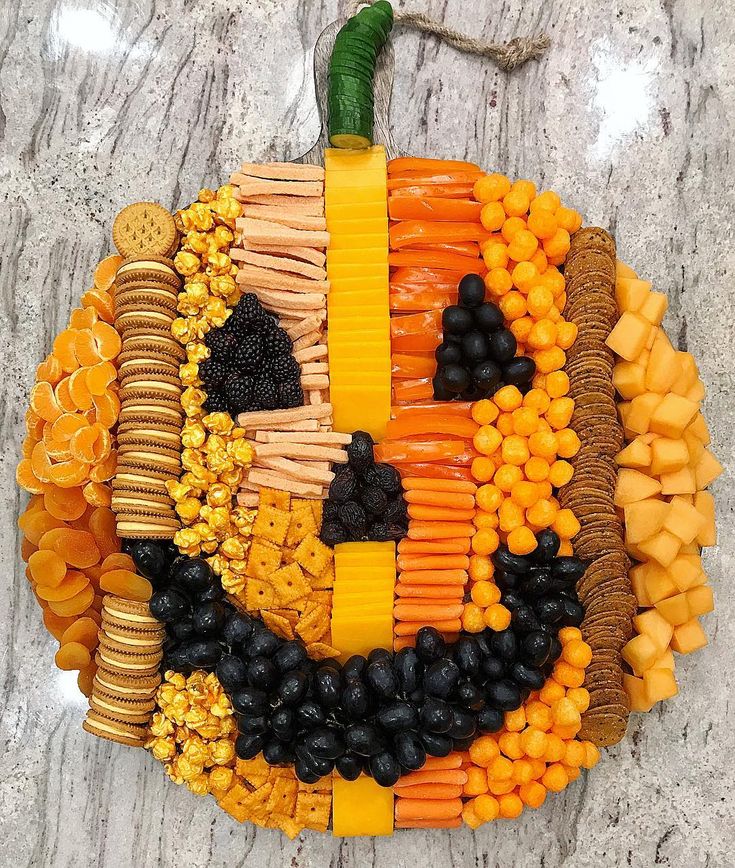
(411, 628)
(431, 791)
(423, 610)
(429, 164)
(437, 259)
(415, 484)
(408, 233)
(415, 324)
(434, 577)
(452, 823)
(432, 208)
(412, 302)
(451, 499)
(413, 366)
(446, 774)
(431, 423)
(450, 593)
(433, 562)
(454, 408)
(422, 512)
(397, 451)
(436, 471)
(437, 529)
(428, 809)
(433, 763)
(413, 390)
(449, 546)
(423, 602)
(418, 343)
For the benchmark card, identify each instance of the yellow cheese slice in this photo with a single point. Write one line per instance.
(368, 178)
(348, 159)
(361, 807)
(360, 270)
(352, 211)
(354, 195)
(358, 248)
(363, 548)
(358, 224)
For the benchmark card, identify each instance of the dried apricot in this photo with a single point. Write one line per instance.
(83, 318)
(97, 494)
(104, 274)
(74, 606)
(72, 655)
(63, 396)
(26, 478)
(36, 523)
(101, 301)
(85, 679)
(93, 614)
(50, 370)
(99, 377)
(44, 402)
(67, 474)
(73, 583)
(78, 390)
(126, 584)
(98, 601)
(84, 631)
(56, 624)
(102, 527)
(47, 568)
(118, 561)
(27, 549)
(67, 504)
(107, 407)
(64, 350)
(94, 574)
(108, 340)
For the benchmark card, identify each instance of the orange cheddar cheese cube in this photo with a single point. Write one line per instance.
(654, 307)
(644, 518)
(705, 506)
(700, 600)
(652, 624)
(660, 684)
(697, 392)
(629, 378)
(688, 637)
(668, 455)
(663, 547)
(629, 336)
(675, 609)
(640, 653)
(672, 415)
(623, 270)
(683, 520)
(636, 690)
(632, 486)
(636, 454)
(694, 445)
(707, 469)
(665, 661)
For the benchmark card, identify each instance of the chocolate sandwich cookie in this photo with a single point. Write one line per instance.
(104, 726)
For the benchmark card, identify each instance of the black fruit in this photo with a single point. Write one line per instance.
(231, 672)
(474, 347)
(385, 769)
(519, 371)
(409, 751)
(169, 605)
(487, 375)
(456, 320)
(448, 354)
(488, 317)
(502, 346)
(430, 644)
(454, 378)
(194, 575)
(149, 558)
(472, 290)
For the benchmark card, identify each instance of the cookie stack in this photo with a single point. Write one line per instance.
(149, 430)
(605, 589)
(128, 659)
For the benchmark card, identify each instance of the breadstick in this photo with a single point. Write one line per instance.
(304, 425)
(248, 498)
(264, 231)
(314, 368)
(304, 327)
(304, 451)
(269, 479)
(314, 381)
(270, 279)
(315, 396)
(307, 340)
(271, 418)
(252, 186)
(311, 354)
(282, 171)
(278, 263)
(319, 438)
(313, 205)
(296, 470)
(285, 216)
(286, 299)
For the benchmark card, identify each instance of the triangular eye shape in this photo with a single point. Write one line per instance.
(251, 364)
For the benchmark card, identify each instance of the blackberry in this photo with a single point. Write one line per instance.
(277, 343)
(246, 312)
(216, 403)
(284, 368)
(222, 344)
(290, 395)
(213, 373)
(265, 394)
(249, 353)
(239, 392)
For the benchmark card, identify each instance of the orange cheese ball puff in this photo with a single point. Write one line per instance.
(476, 782)
(556, 384)
(514, 450)
(510, 745)
(555, 778)
(487, 439)
(524, 276)
(521, 541)
(533, 742)
(525, 421)
(484, 750)
(558, 245)
(580, 696)
(536, 469)
(504, 424)
(511, 227)
(512, 305)
(483, 469)
(547, 201)
(485, 594)
(568, 443)
(491, 188)
(499, 770)
(521, 328)
(564, 712)
(560, 472)
(540, 301)
(568, 675)
(548, 360)
(508, 398)
(525, 493)
(515, 721)
(486, 808)
(523, 245)
(485, 519)
(565, 524)
(506, 476)
(559, 414)
(568, 219)
(538, 714)
(511, 806)
(555, 748)
(577, 653)
(551, 692)
(492, 216)
(523, 185)
(473, 620)
(592, 755)
(542, 335)
(498, 282)
(516, 203)
(542, 222)
(485, 542)
(489, 497)
(532, 794)
(481, 568)
(566, 334)
(537, 399)
(510, 515)
(543, 444)
(542, 513)
(484, 412)
(497, 617)
(494, 253)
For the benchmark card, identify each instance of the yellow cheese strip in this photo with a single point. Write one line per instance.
(342, 159)
(351, 211)
(361, 807)
(358, 224)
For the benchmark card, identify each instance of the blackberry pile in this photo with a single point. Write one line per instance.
(382, 714)
(250, 366)
(477, 355)
(365, 499)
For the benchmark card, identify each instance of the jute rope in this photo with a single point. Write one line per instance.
(507, 55)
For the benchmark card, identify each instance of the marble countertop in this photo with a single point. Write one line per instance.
(630, 117)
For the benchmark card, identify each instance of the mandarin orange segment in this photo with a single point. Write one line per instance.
(27, 479)
(63, 396)
(84, 631)
(37, 523)
(85, 679)
(77, 547)
(50, 370)
(27, 447)
(56, 451)
(107, 406)
(34, 424)
(72, 583)
(126, 584)
(103, 444)
(103, 529)
(105, 469)
(104, 274)
(97, 494)
(44, 402)
(56, 624)
(102, 302)
(64, 350)
(80, 394)
(47, 568)
(40, 463)
(118, 561)
(82, 443)
(66, 425)
(72, 655)
(108, 340)
(67, 474)
(74, 606)
(67, 504)
(85, 348)
(99, 377)
(83, 318)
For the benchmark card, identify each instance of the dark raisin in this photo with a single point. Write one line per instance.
(332, 533)
(374, 500)
(343, 486)
(360, 450)
(388, 478)
(353, 517)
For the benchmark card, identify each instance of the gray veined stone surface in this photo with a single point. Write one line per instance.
(630, 117)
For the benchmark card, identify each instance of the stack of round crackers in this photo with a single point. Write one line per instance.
(605, 589)
(151, 416)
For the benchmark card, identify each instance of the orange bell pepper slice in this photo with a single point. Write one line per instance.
(433, 208)
(431, 423)
(413, 179)
(408, 233)
(429, 164)
(442, 191)
(438, 259)
(407, 366)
